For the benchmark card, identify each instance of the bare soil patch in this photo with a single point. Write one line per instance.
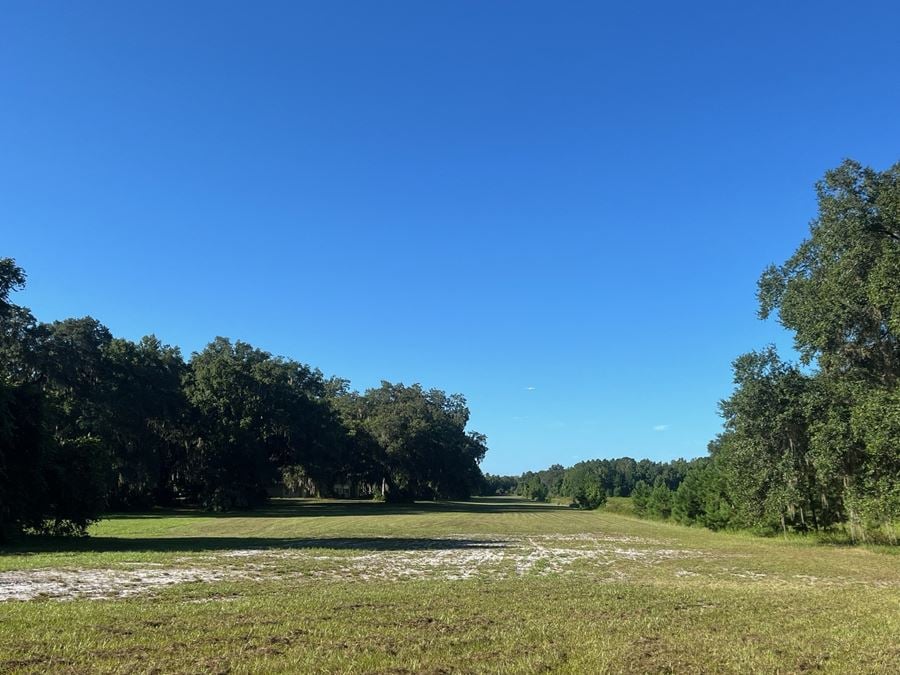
(457, 558)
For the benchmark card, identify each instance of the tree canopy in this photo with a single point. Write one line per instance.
(810, 445)
(90, 422)
(816, 444)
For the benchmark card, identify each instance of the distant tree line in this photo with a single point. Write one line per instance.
(90, 422)
(588, 484)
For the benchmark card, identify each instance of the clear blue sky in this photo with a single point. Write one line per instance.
(557, 209)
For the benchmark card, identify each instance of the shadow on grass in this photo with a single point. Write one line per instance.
(283, 508)
(286, 507)
(34, 545)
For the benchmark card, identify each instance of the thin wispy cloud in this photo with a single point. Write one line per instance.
(530, 388)
(661, 427)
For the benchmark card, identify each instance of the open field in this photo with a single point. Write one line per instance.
(495, 585)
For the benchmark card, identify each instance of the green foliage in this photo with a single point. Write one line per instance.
(498, 485)
(838, 293)
(146, 405)
(531, 487)
(874, 497)
(687, 504)
(23, 466)
(640, 496)
(234, 393)
(623, 506)
(659, 502)
(51, 465)
(426, 452)
(75, 486)
(767, 456)
(616, 477)
(89, 421)
(703, 497)
(585, 485)
(811, 448)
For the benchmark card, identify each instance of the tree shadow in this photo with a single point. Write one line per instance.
(36, 545)
(283, 508)
(288, 507)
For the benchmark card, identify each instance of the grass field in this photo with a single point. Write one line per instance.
(492, 585)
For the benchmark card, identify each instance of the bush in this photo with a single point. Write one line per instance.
(640, 495)
(585, 487)
(659, 504)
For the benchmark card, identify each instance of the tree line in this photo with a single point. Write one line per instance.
(588, 484)
(90, 422)
(815, 444)
(810, 445)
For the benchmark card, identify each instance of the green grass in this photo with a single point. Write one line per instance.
(621, 505)
(493, 585)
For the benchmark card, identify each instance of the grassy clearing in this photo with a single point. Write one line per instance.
(495, 585)
(621, 505)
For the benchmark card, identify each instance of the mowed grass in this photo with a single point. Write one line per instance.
(492, 585)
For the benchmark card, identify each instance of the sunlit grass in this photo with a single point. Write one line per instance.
(322, 586)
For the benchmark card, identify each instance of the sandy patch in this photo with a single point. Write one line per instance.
(385, 559)
(65, 584)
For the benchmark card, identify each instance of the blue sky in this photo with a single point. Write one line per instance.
(557, 209)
